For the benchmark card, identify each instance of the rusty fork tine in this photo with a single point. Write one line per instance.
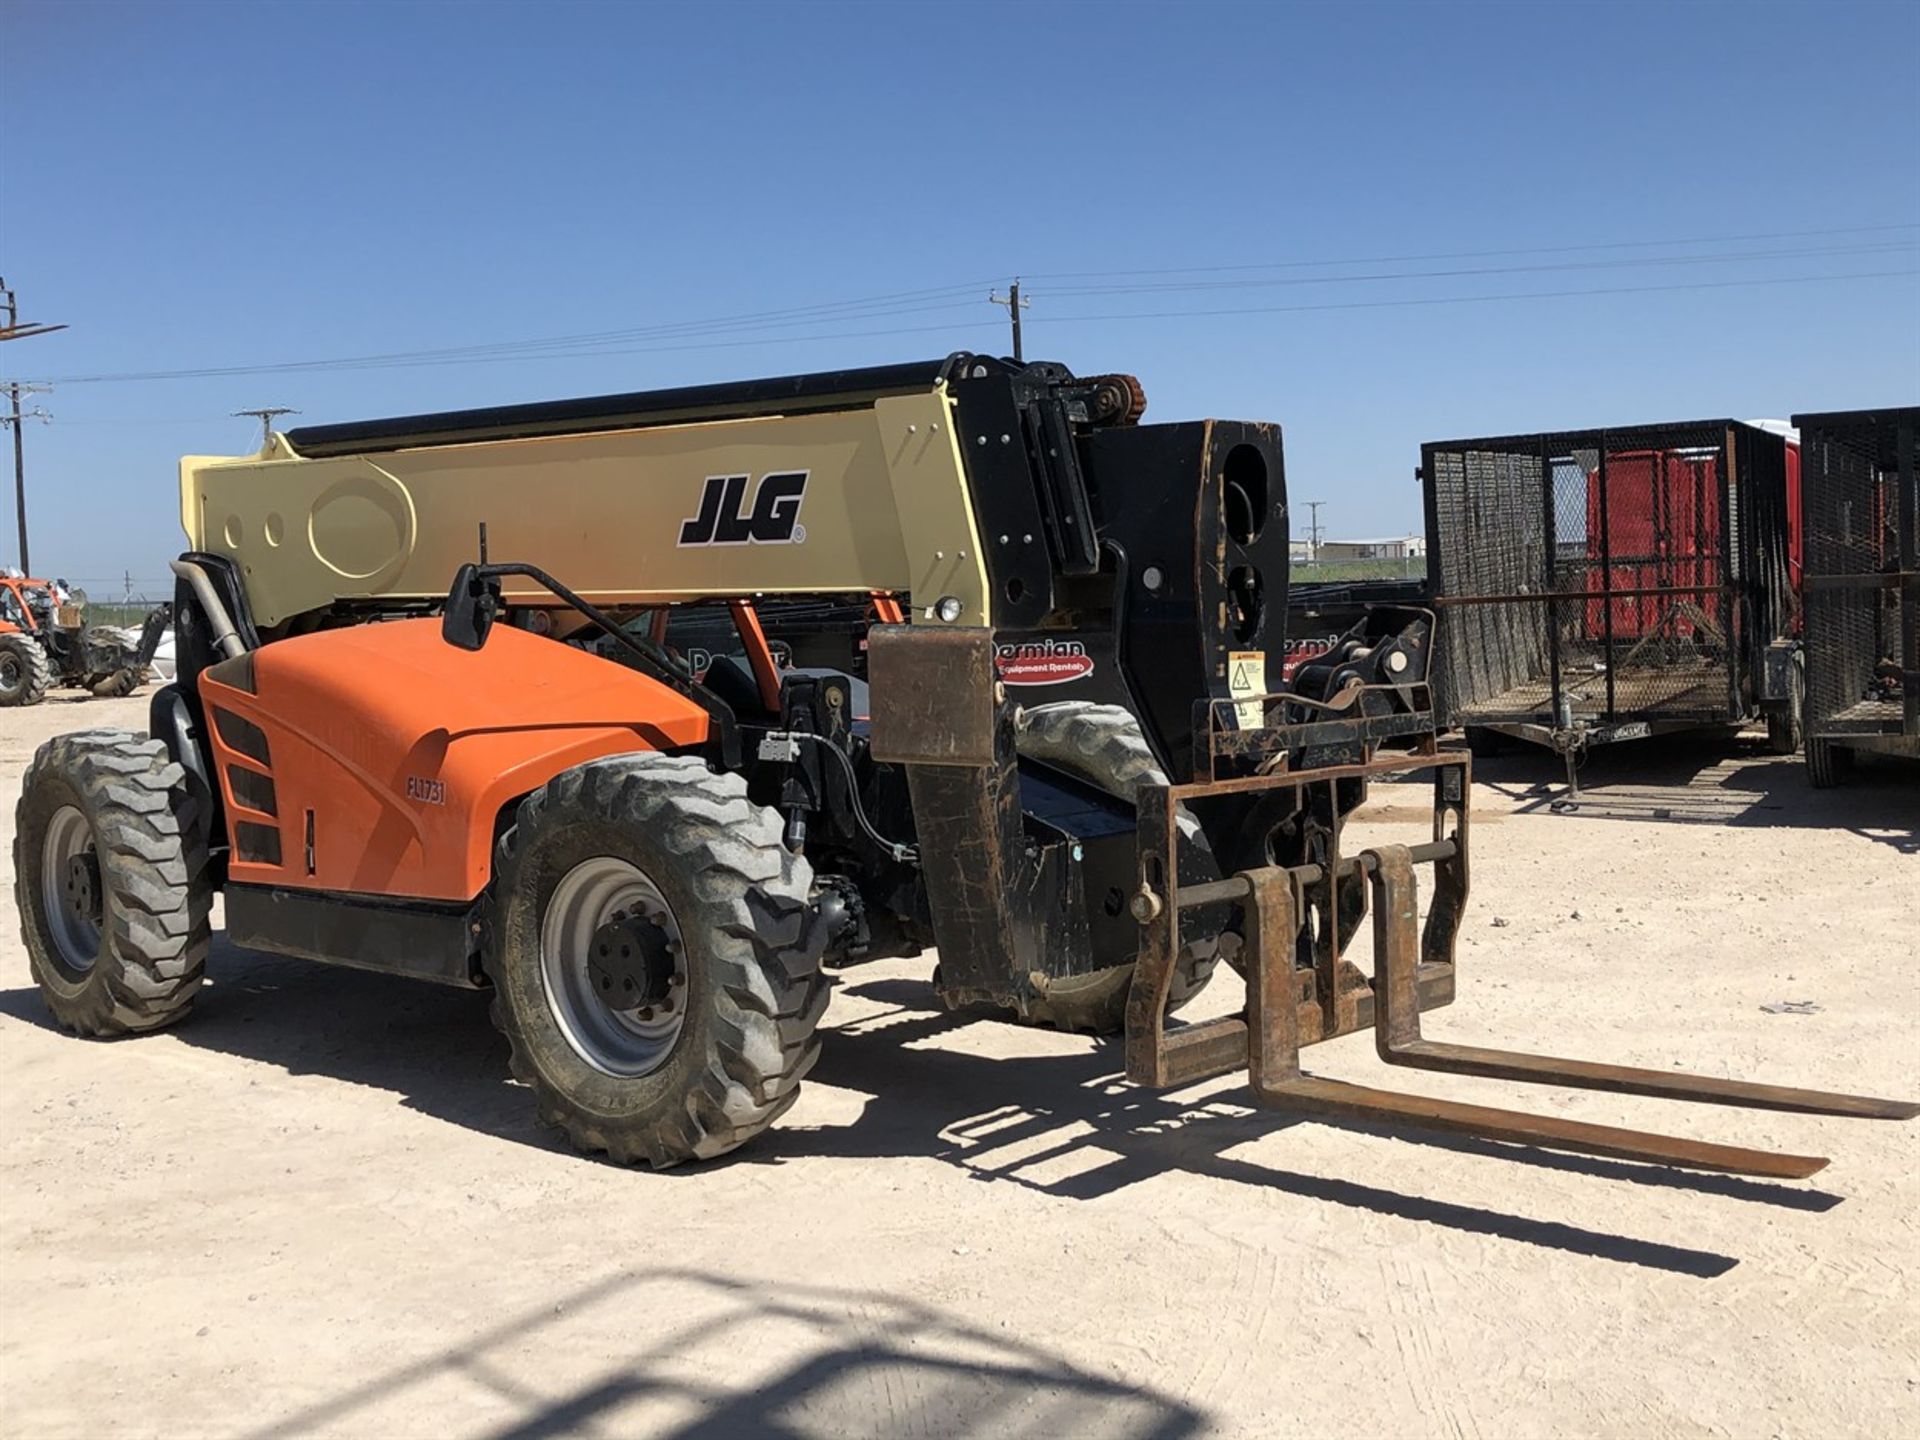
(1310, 1095)
(1628, 1080)
(1397, 1032)
(1274, 1069)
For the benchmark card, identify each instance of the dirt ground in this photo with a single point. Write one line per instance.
(319, 1207)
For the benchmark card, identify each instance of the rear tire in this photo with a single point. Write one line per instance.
(733, 904)
(1102, 745)
(25, 673)
(111, 883)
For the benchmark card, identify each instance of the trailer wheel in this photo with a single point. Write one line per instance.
(1786, 728)
(1102, 745)
(657, 967)
(1827, 763)
(25, 673)
(110, 877)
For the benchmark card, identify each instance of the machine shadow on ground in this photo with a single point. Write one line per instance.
(1712, 779)
(1065, 1124)
(846, 1363)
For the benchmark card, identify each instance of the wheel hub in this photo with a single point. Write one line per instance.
(81, 886)
(630, 964)
(614, 967)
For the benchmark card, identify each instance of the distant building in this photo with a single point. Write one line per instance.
(1400, 547)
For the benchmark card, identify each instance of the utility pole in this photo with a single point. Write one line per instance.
(1014, 305)
(1313, 531)
(265, 416)
(14, 330)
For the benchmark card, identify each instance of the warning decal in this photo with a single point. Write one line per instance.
(1247, 675)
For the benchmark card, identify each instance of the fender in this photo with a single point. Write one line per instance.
(376, 759)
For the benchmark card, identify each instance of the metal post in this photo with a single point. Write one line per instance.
(1014, 305)
(1553, 607)
(19, 478)
(1606, 581)
(19, 454)
(14, 330)
(1906, 505)
(1732, 455)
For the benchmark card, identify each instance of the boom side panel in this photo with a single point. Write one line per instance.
(397, 524)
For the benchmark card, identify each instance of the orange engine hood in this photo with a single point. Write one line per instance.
(396, 752)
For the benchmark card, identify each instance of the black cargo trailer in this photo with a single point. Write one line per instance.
(1600, 585)
(1860, 507)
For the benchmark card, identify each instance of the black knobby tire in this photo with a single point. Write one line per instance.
(25, 673)
(1102, 745)
(150, 893)
(121, 682)
(750, 947)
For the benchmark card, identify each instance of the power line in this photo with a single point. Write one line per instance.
(961, 326)
(1479, 254)
(1476, 271)
(923, 301)
(1481, 299)
(931, 299)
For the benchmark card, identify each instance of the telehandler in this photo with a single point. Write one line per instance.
(489, 698)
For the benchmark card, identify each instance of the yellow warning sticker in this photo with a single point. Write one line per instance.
(1247, 675)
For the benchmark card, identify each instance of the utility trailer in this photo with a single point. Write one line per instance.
(1613, 584)
(1860, 493)
(431, 719)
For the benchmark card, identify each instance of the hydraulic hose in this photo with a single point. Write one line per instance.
(224, 635)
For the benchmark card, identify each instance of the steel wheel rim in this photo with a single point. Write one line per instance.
(12, 670)
(588, 896)
(75, 937)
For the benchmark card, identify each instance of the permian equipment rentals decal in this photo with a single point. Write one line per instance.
(1042, 662)
(1300, 650)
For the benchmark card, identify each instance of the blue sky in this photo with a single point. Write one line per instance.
(195, 187)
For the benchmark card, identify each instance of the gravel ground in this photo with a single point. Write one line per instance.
(320, 1208)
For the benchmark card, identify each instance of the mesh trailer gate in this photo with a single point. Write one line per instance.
(1599, 585)
(1861, 513)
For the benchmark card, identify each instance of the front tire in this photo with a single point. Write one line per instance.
(110, 877)
(25, 673)
(706, 1048)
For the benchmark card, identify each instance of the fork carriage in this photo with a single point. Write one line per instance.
(1301, 988)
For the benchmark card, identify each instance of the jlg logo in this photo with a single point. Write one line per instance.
(775, 518)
